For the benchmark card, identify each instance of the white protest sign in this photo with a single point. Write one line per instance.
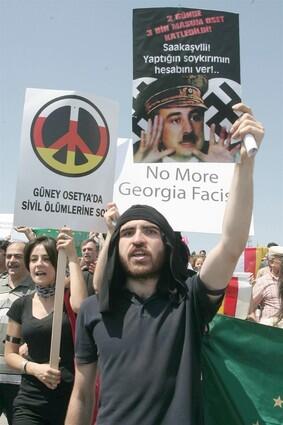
(192, 196)
(67, 161)
(186, 79)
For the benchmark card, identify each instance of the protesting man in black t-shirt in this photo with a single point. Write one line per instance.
(144, 330)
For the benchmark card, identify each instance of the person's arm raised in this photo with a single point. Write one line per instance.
(27, 231)
(78, 288)
(110, 216)
(221, 261)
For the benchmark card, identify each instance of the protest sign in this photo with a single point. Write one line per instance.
(186, 77)
(186, 194)
(66, 170)
(185, 58)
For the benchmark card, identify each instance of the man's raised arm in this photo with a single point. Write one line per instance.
(110, 217)
(221, 261)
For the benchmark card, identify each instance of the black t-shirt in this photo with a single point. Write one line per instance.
(37, 335)
(149, 356)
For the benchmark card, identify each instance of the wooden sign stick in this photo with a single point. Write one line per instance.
(58, 310)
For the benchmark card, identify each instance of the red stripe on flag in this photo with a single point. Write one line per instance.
(250, 260)
(231, 296)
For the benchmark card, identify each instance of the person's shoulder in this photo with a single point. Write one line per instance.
(193, 279)
(266, 277)
(4, 278)
(4, 286)
(26, 287)
(262, 271)
(19, 304)
(23, 299)
(191, 283)
(89, 313)
(90, 304)
(263, 281)
(27, 283)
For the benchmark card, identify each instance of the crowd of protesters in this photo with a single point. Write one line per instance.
(143, 306)
(29, 269)
(20, 275)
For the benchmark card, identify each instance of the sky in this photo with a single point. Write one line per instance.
(86, 46)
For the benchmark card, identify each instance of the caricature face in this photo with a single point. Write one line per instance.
(182, 130)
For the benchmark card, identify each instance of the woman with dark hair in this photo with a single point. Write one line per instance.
(44, 392)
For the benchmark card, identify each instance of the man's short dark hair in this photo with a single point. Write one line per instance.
(89, 240)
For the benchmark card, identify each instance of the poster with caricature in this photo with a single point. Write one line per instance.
(186, 78)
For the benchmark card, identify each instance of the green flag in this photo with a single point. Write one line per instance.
(242, 373)
(79, 237)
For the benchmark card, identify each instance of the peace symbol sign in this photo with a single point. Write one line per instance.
(70, 136)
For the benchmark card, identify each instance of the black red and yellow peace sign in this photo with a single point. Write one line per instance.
(70, 136)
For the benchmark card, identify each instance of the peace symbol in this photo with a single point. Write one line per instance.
(70, 136)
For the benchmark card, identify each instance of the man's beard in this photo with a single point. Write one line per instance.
(142, 272)
(140, 275)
